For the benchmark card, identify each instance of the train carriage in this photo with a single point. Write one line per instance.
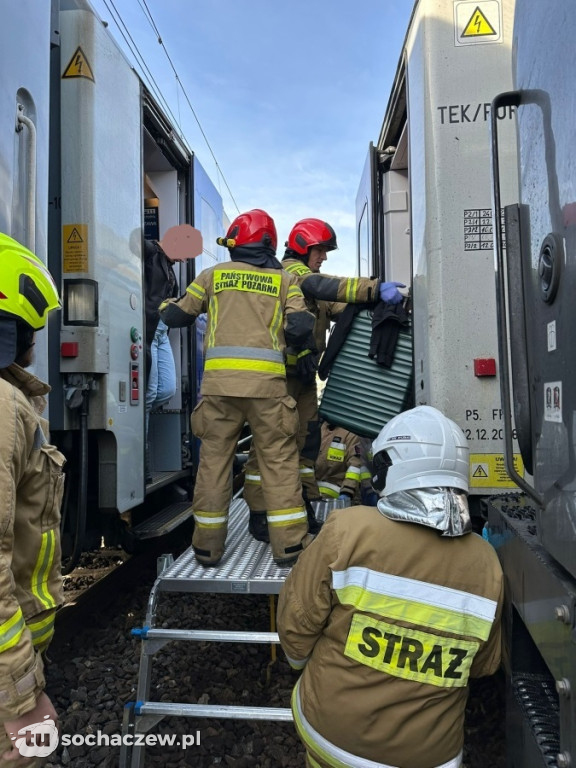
(92, 166)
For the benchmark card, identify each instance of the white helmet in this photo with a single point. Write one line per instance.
(420, 448)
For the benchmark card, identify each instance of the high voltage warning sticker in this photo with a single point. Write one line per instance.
(477, 22)
(78, 66)
(488, 470)
(75, 248)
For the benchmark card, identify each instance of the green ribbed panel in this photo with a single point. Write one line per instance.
(361, 395)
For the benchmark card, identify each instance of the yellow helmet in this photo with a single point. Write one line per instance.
(27, 289)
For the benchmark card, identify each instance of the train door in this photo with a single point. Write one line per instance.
(383, 214)
(124, 175)
(548, 257)
(166, 199)
(536, 542)
(24, 131)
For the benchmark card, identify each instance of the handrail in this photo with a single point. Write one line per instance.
(21, 121)
(508, 99)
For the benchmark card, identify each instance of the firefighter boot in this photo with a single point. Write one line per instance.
(258, 526)
(208, 543)
(288, 539)
(290, 553)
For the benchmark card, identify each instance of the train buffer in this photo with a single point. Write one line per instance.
(246, 568)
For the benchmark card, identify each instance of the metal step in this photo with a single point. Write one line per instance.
(164, 521)
(174, 709)
(160, 479)
(536, 698)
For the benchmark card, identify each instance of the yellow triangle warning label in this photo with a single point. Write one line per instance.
(478, 25)
(74, 237)
(479, 471)
(79, 66)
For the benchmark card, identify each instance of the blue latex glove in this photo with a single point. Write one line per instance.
(343, 496)
(389, 292)
(369, 497)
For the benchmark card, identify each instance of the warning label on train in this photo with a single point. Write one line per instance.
(78, 66)
(477, 22)
(488, 470)
(75, 248)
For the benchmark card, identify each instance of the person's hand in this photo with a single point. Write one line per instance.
(307, 365)
(369, 497)
(389, 292)
(43, 713)
(344, 497)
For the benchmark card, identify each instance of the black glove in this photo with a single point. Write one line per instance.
(307, 365)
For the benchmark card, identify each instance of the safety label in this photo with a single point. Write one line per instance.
(75, 248)
(477, 22)
(488, 470)
(78, 66)
(553, 401)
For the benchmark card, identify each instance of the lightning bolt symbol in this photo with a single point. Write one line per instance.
(78, 62)
(477, 21)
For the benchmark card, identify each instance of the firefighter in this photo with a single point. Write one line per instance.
(392, 608)
(341, 470)
(31, 484)
(326, 297)
(253, 308)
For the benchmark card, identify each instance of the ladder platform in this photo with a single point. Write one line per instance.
(247, 566)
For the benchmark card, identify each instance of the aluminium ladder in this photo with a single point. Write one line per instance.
(247, 567)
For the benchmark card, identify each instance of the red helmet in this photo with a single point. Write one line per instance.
(255, 227)
(307, 233)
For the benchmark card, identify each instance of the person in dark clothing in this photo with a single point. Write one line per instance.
(160, 284)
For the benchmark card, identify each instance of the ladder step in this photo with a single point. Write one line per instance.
(169, 709)
(164, 521)
(208, 635)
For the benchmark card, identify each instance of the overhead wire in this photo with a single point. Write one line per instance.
(147, 74)
(148, 15)
(161, 43)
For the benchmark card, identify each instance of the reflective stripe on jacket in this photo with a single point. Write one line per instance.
(31, 485)
(252, 312)
(388, 621)
(340, 465)
(318, 747)
(327, 296)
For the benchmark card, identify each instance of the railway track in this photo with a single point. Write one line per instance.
(93, 669)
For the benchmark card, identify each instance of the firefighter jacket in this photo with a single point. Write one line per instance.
(252, 313)
(31, 484)
(340, 466)
(327, 296)
(388, 620)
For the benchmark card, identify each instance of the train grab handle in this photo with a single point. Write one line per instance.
(511, 98)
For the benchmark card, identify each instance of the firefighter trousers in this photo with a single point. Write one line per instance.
(218, 421)
(308, 441)
(5, 745)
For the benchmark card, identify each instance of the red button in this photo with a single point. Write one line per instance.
(69, 349)
(485, 366)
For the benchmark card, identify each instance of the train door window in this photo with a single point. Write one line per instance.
(364, 243)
